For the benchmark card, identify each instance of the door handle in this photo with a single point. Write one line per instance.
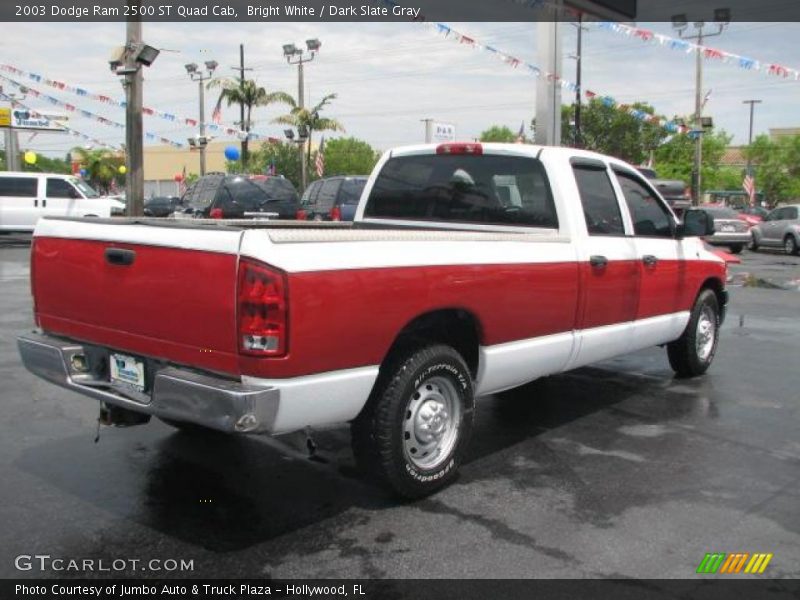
(598, 261)
(120, 256)
(649, 260)
(44, 203)
(35, 203)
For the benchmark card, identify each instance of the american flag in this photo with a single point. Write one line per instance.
(749, 186)
(320, 161)
(216, 116)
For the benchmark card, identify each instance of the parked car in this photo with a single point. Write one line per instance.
(25, 197)
(161, 206)
(332, 198)
(220, 196)
(460, 292)
(729, 229)
(674, 191)
(780, 229)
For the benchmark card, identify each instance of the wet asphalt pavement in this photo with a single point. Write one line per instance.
(615, 470)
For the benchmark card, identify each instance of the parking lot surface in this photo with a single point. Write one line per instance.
(614, 470)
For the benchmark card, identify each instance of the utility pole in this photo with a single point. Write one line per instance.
(11, 135)
(196, 74)
(428, 130)
(722, 17)
(134, 153)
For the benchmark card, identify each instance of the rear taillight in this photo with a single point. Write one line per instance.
(336, 214)
(460, 148)
(301, 215)
(215, 213)
(262, 305)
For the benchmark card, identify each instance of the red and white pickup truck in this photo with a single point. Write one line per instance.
(470, 269)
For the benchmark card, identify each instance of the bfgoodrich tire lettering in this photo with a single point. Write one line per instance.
(692, 353)
(415, 428)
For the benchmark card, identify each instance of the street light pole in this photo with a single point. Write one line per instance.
(722, 17)
(196, 74)
(752, 104)
(578, 91)
(296, 56)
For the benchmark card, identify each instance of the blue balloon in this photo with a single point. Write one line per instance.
(84, 172)
(232, 153)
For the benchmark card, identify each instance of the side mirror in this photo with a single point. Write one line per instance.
(696, 223)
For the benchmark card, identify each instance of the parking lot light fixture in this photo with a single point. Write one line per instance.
(201, 77)
(297, 56)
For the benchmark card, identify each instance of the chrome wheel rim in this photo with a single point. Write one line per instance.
(788, 245)
(706, 333)
(431, 422)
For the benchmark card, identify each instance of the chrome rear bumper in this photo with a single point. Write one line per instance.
(177, 393)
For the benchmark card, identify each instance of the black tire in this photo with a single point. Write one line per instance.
(790, 245)
(753, 245)
(736, 248)
(190, 428)
(685, 358)
(387, 431)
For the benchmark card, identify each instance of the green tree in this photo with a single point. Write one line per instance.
(102, 166)
(249, 93)
(283, 155)
(349, 156)
(310, 120)
(498, 133)
(777, 167)
(674, 159)
(609, 130)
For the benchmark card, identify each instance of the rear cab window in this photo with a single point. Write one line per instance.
(469, 189)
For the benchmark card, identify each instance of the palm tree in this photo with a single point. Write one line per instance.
(248, 93)
(310, 120)
(101, 165)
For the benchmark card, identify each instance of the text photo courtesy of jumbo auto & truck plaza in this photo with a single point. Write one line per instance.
(389, 299)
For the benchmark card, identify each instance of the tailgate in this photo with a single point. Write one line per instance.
(157, 291)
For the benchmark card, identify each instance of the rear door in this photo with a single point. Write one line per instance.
(19, 202)
(608, 264)
(771, 226)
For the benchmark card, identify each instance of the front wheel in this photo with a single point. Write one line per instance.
(414, 430)
(736, 248)
(790, 245)
(692, 353)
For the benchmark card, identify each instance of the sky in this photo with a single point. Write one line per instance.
(390, 76)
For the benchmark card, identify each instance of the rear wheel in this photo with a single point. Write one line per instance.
(414, 430)
(736, 248)
(692, 353)
(753, 245)
(790, 245)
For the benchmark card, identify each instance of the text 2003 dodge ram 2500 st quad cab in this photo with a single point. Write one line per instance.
(470, 269)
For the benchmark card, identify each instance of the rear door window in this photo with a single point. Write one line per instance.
(470, 189)
(20, 187)
(600, 206)
(310, 196)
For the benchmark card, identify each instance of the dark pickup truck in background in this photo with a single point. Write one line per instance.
(674, 191)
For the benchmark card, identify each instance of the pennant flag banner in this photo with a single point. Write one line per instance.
(79, 91)
(511, 61)
(84, 113)
(708, 53)
(68, 130)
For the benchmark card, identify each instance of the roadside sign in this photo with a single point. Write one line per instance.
(444, 132)
(19, 118)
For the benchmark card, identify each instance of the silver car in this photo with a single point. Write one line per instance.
(729, 229)
(780, 229)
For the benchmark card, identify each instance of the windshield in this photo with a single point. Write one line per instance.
(84, 187)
